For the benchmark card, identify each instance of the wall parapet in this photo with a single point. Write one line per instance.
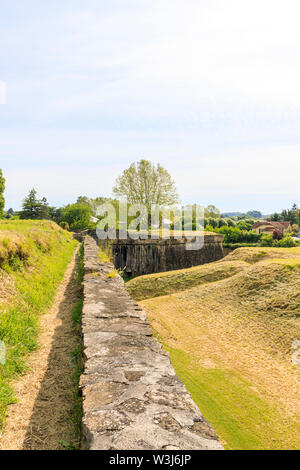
(132, 398)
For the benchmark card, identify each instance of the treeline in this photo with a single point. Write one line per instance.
(287, 215)
(76, 216)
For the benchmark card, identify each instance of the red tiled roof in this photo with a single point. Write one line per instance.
(277, 225)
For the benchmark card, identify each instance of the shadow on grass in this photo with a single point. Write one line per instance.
(56, 417)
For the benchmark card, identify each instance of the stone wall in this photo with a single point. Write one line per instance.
(137, 257)
(132, 398)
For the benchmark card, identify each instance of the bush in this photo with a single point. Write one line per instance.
(245, 225)
(235, 235)
(231, 223)
(77, 216)
(213, 222)
(266, 240)
(286, 242)
(222, 223)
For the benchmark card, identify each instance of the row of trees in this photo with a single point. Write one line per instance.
(143, 183)
(287, 215)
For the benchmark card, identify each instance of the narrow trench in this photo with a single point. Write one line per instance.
(47, 415)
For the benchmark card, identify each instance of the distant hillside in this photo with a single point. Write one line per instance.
(232, 214)
(254, 214)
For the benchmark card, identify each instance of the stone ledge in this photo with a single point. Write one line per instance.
(132, 398)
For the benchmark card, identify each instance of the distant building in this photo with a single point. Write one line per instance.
(277, 229)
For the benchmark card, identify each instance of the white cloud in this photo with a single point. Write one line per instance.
(188, 53)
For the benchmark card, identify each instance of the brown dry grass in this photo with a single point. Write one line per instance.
(41, 419)
(220, 334)
(155, 285)
(243, 326)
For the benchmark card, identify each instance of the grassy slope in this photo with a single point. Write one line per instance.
(155, 285)
(230, 342)
(33, 258)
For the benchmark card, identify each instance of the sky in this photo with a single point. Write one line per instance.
(209, 89)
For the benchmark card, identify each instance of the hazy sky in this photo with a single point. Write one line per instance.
(210, 89)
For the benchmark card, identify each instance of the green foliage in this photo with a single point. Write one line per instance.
(77, 312)
(222, 223)
(286, 242)
(94, 203)
(77, 216)
(34, 208)
(49, 250)
(212, 222)
(235, 234)
(64, 225)
(287, 215)
(231, 223)
(2, 188)
(266, 240)
(245, 224)
(211, 211)
(147, 184)
(105, 253)
(10, 213)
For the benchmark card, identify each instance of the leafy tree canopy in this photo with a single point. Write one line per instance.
(34, 208)
(77, 216)
(254, 214)
(146, 183)
(287, 215)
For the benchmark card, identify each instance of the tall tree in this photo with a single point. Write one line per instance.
(2, 188)
(147, 184)
(43, 210)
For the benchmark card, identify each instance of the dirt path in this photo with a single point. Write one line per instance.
(43, 418)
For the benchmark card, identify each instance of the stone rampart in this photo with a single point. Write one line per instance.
(132, 398)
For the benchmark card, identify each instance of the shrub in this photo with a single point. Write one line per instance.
(235, 235)
(222, 223)
(213, 222)
(266, 240)
(78, 216)
(231, 223)
(286, 242)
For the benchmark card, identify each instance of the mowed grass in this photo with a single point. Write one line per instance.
(230, 342)
(33, 259)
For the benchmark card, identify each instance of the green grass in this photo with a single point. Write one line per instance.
(44, 250)
(239, 414)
